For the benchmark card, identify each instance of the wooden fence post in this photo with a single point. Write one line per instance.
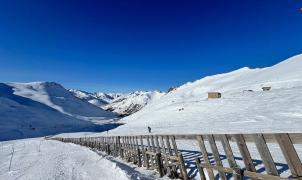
(159, 164)
(230, 157)
(139, 160)
(290, 154)
(265, 154)
(143, 152)
(216, 155)
(183, 169)
(200, 169)
(205, 156)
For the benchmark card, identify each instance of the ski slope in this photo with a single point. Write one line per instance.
(37, 159)
(244, 107)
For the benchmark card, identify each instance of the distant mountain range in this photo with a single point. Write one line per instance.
(128, 104)
(98, 98)
(122, 104)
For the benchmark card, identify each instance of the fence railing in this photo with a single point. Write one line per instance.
(160, 152)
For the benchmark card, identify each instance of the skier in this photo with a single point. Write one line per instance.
(149, 129)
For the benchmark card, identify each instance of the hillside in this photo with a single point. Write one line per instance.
(244, 107)
(43, 108)
(133, 102)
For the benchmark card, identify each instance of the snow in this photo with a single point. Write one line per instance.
(46, 159)
(99, 99)
(131, 103)
(122, 104)
(187, 109)
(57, 97)
(243, 108)
(44, 108)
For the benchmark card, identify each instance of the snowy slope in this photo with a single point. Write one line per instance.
(36, 159)
(130, 103)
(57, 97)
(187, 109)
(98, 99)
(42, 108)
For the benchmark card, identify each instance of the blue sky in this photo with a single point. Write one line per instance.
(120, 45)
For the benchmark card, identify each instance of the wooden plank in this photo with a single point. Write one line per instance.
(157, 144)
(290, 155)
(218, 168)
(246, 156)
(149, 149)
(265, 154)
(138, 151)
(216, 155)
(122, 146)
(174, 145)
(148, 142)
(151, 153)
(183, 167)
(136, 142)
(205, 156)
(230, 156)
(128, 147)
(200, 169)
(153, 144)
(166, 164)
(246, 173)
(153, 150)
(254, 175)
(132, 145)
(139, 163)
(269, 137)
(173, 169)
(119, 145)
(146, 163)
(160, 168)
(168, 145)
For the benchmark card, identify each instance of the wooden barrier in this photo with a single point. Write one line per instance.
(160, 152)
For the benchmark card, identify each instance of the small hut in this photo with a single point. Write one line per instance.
(213, 95)
(267, 88)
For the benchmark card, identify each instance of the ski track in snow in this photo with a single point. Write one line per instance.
(45, 159)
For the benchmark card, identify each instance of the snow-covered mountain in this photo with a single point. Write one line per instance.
(131, 103)
(122, 104)
(244, 107)
(98, 98)
(41, 108)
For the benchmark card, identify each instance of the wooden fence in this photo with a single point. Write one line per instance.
(160, 152)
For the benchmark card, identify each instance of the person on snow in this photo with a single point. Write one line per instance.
(149, 129)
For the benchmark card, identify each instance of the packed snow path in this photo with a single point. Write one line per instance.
(46, 159)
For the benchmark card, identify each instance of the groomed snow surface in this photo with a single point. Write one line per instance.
(39, 159)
